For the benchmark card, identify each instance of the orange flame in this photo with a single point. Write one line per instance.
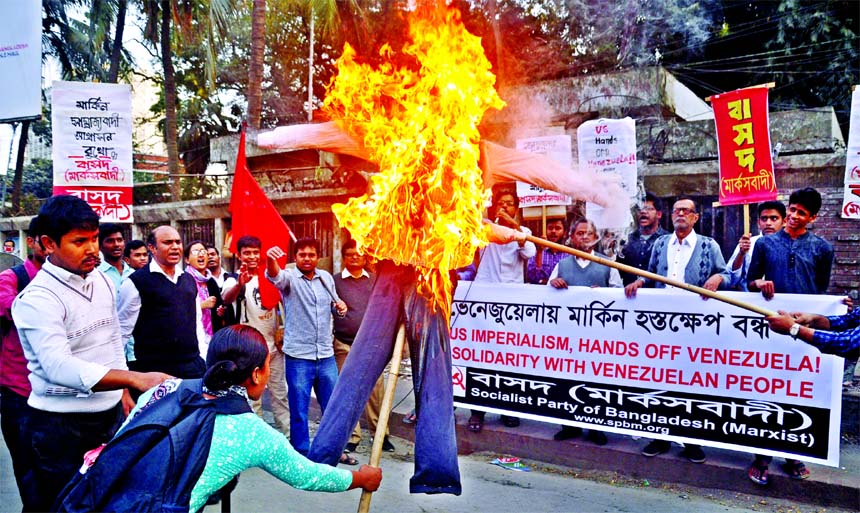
(419, 122)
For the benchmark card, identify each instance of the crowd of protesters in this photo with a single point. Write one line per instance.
(785, 257)
(90, 321)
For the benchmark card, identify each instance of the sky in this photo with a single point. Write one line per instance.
(51, 71)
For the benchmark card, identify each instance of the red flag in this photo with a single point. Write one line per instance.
(254, 214)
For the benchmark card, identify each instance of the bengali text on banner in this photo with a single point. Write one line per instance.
(664, 365)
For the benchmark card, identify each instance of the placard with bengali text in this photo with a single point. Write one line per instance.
(92, 147)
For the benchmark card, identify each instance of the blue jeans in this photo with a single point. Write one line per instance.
(394, 301)
(302, 376)
(14, 415)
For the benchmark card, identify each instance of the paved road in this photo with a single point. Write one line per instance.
(486, 488)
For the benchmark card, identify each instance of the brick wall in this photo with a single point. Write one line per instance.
(844, 235)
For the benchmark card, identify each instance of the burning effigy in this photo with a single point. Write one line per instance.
(416, 116)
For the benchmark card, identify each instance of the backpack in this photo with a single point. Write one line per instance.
(155, 461)
(23, 280)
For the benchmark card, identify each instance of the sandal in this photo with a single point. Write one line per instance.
(346, 459)
(758, 473)
(411, 418)
(796, 470)
(476, 423)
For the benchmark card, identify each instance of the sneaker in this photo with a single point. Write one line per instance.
(695, 454)
(351, 447)
(567, 432)
(597, 437)
(656, 447)
(387, 446)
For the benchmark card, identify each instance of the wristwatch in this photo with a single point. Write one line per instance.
(794, 330)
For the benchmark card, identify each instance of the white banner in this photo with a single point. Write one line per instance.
(92, 150)
(21, 60)
(851, 203)
(556, 147)
(664, 365)
(608, 146)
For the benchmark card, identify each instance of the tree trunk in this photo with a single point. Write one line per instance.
(116, 51)
(255, 70)
(170, 130)
(18, 179)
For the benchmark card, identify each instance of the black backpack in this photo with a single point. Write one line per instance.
(155, 461)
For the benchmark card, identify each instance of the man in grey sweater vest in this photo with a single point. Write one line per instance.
(579, 272)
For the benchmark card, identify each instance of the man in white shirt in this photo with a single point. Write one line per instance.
(67, 322)
(503, 263)
(771, 215)
(690, 258)
(583, 236)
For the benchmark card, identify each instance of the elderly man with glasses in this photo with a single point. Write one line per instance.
(693, 259)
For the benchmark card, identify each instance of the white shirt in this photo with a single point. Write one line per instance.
(504, 263)
(739, 275)
(220, 278)
(614, 275)
(678, 255)
(70, 335)
(129, 304)
(346, 274)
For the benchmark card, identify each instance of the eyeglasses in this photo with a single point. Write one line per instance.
(683, 211)
(201, 252)
(647, 209)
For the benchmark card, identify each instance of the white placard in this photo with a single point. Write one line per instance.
(92, 149)
(556, 147)
(609, 146)
(851, 202)
(663, 365)
(21, 60)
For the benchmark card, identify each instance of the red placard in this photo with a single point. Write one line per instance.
(743, 138)
(113, 204)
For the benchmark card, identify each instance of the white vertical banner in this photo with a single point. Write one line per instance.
(21, 60)
(92, 150)
(556, 147)
(851, 202)
(609, 146)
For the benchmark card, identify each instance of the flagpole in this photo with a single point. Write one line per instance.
(651, 276)
(385, 410)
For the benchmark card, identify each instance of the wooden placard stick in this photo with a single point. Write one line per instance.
(385, 411)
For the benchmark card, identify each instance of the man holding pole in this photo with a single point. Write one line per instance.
(542, 264)
(694, 259)
(771, 215)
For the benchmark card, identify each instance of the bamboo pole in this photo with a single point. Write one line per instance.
(656, 277)
(385, 410)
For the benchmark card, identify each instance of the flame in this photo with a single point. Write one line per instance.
(417, 115)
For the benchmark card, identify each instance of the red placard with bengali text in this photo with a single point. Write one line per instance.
(743, 140)
(111, 203)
